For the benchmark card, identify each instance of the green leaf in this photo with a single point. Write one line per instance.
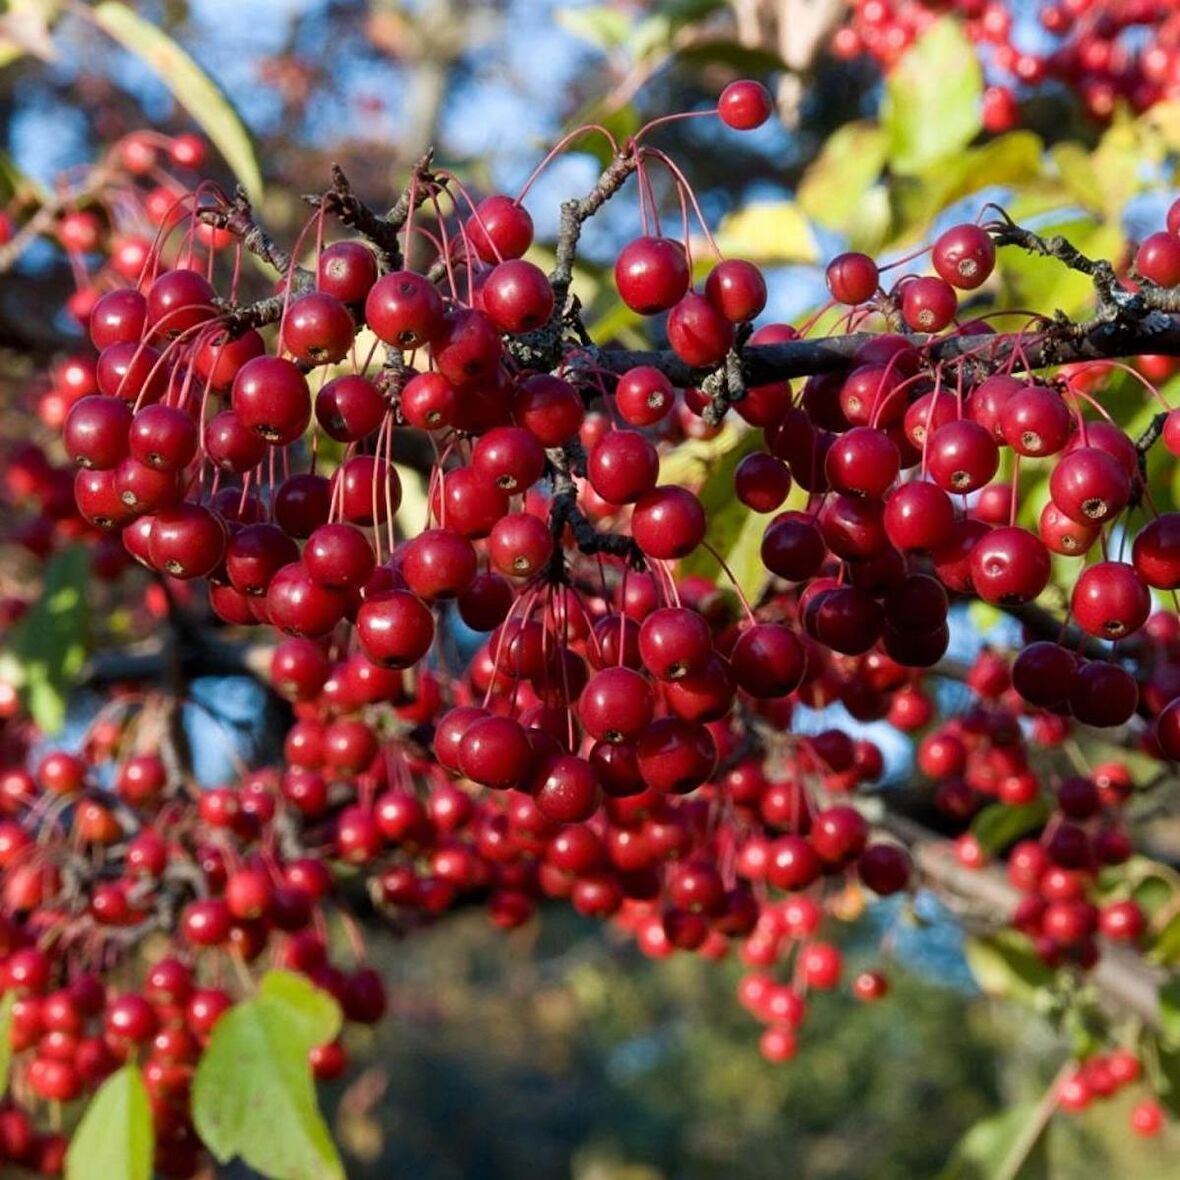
(1006, 966)
(204, 100)
(1170, 1010)
(1152, 893)
(47, 648)
(603, 26)
(1166, 947)
(746, 59)
(1077, 173)
(115, 1139)
(984, 1153)
(617, 323)
(1161, 1063)
(933, 99)
(10, 177)
(6, 1006)
(253, 1094)
(1122, 162)
(1011, 159)
(999, 825)
(655, 35)
(768, 232)
(834, 185)
(734, 531)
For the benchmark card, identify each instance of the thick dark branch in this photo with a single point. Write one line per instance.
(565, 512)
(726, 384)
(1025, 351)
(260, 313)
(200, 654)
(422, 186)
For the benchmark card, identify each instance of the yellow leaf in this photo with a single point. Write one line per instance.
(769, 232)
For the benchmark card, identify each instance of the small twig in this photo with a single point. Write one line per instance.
(1032, 1131)
(381, 230)
(564, 512)
(238, 218)
(575, 213)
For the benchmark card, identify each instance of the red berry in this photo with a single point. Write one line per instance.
(517, 296)
(651, 274)
(1158, 259)
(1109, 600)
(623, 466)
(499, 228)
(737, 290)
(745, 105)
(668, 522)
(964, 256)
(852, 278)
(928, 304)
(698, 333)
(404, 309)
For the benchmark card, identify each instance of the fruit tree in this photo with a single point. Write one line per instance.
(599, 587)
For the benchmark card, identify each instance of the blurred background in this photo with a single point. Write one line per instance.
(559, 1050)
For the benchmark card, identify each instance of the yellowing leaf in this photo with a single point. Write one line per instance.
(833, 187)
(602, 26)
(1164, 119)
(411, 513)
(1079, 176)
(1011, 159)
(1119, 163)
(6, 1006)
(690, 462)
(768, 232)
(190, 85)
(1033, 281)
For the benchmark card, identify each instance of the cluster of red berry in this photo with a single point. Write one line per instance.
(620, 738)
(1102, 1076)
(1099, 50)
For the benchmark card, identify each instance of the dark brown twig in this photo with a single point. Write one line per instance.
(382, 230)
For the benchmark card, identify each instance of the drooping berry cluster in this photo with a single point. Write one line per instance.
(620, 736)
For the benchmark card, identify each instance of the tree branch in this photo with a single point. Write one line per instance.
(982, 352)
(237, 217)
(381, 230)
(1122, 977)
(575, 213)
